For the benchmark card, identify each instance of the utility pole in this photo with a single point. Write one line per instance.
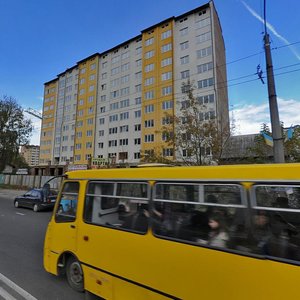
(278, 148)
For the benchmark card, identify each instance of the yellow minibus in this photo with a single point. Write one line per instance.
(208, 232)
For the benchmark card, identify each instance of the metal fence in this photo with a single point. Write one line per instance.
(30, 181)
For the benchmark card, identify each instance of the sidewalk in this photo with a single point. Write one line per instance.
(11, 193)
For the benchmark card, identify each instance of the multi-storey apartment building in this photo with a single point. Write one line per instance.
(114, 104)
(31, 154)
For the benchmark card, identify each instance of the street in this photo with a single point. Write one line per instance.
(22, 275)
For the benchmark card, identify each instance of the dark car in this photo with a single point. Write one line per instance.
(37, 199)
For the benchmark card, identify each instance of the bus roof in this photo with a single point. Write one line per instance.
(228, 172)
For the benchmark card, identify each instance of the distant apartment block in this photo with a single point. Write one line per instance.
(113, 104)
(31, 154)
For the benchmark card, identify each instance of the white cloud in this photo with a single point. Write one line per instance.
(248, 118)
(271, 28)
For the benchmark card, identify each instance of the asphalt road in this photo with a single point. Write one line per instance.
(22, 275)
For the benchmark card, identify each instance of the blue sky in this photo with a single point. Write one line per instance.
(40, 39)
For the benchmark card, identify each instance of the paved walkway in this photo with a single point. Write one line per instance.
(11, 193)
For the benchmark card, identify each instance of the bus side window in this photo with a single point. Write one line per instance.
(189, 210)
(67, 206)
(124, 205)
(276, 220)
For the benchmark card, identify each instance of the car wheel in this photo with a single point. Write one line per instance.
(75, 274)
(36, 208)
(16, 204)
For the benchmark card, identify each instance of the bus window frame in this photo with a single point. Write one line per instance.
(114, 196)
(65, 218)
(253, 198)
(244, 205)
(201, 198)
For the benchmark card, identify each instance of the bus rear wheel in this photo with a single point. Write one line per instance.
(75, 274)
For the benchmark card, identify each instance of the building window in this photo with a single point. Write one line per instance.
(166, 121)
(149, 68)
(166, 76)
(206, 99)
(149, 108)
(185, 74)
(138, 76)
(101, 132)
(202, 23)
(205, 83)
(137, 141)
(149, 123)
(113, 143)
(123, 142)
(138, 63)
(138, 50)
(113, 130)
(149, 41)
(204, 67)
(184, 45)
(184, 60)
(124, 103)
(149, 54)
(166, 48)
(124, 128)
(149, 138)
(168, 152)
(137, 155)
(203, 37)
(113, 118)
(204, 52)
(138, 88)
(124, 115)
(137, 127)
(166, 62)
(123, 155)
(149, 95)
(166, 90)
(149, 81)
(166, 34)
(167, 104)
(183, 31)
(138, 100)
(137, 114)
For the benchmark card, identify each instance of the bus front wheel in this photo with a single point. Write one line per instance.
(75, 274)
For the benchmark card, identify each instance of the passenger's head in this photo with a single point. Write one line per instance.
(216, 222)
(261, 219)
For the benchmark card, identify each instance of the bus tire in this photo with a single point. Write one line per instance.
(75, 274)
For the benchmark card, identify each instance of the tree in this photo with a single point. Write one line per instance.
(197, 135)
(15, 130)
(263, 151)
(260, 149)
(292, 145)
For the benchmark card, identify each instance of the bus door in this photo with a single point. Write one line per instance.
(65, 227)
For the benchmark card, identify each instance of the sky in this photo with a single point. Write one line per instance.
(40, 39)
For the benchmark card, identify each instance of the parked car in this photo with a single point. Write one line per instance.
(37, 199)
